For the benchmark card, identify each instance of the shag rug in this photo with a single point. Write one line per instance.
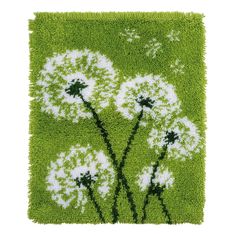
(117, 118)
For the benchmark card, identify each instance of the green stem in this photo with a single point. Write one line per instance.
(105, 136)
(86, 180)
(120, 175)
(164, 208)
(103, 131)
(96, 205)
(145, 203)
(150, 191)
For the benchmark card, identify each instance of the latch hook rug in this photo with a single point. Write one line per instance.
(117, 118)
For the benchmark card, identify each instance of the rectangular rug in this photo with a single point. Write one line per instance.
(117, 118)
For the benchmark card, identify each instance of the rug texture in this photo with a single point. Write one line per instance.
(117, 118)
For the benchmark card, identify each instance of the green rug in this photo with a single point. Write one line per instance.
(117, 118)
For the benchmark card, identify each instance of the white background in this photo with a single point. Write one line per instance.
(220, 208)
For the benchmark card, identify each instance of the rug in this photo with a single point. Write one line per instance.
(117, 118)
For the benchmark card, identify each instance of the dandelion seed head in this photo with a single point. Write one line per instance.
(150, 93)
(180, 136)
(65, 76)
(73, 170)
(163, 177)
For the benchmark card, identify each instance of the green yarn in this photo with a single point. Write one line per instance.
(169, 45)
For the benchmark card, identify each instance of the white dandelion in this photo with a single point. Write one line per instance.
(173, 35)
(130, 34)
(69, 174)
(181, 138)
(149, 93)
(66, 76)
(177, 67)
(163, 177)
(153, 48)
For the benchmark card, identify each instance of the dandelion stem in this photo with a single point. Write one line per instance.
(112, 154)
(145, 203)
(164, 208)
(96, 205)
(120, 176)
(130, 139)
(86, 180)
(103, 131)
(152, 189)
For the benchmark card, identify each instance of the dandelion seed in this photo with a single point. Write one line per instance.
(173, 35)
(153, 48)
(177, 67)
(130, 35)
